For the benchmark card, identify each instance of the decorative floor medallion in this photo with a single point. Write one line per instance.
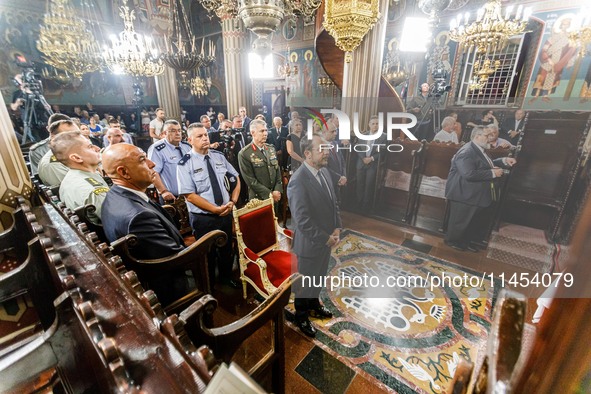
(408, 338)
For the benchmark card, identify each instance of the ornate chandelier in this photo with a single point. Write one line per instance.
(490, 30)
(66, 42)
(481, 72)
(131, 52)
(262, 17)
(200, 86)
(182, 53)
(348, 21)
(581, 33)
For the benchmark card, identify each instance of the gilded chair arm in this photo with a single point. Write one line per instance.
(285, 231)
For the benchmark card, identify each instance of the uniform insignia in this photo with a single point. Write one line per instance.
(197, 171)
(100, 190)
(53, 159)
(160, 146)
(93, 181)
(184, 159)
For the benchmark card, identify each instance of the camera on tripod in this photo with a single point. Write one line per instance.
(29, 77)
(439, 86)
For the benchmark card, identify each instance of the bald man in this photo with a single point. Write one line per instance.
(128, 210)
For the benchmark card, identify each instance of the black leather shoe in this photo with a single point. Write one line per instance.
(306, 327)
(320, 312)
(472, 249)
(455, 246)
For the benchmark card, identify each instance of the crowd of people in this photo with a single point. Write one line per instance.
(216, 168)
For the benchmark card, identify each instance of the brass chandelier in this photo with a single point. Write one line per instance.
(66, 42)
(581, 33)
(262, 17)
(348, 21)
(131, 52)
(182, 52)
(481, 73)
(200, 86)
(490, 30)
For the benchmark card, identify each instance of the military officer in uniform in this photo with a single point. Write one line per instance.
(51, 171)
(166, 154)
(259, 165)
(82, 184)
(38, 150)
(201, 176)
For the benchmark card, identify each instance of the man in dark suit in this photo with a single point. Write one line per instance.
(336, 162)
(470, 189)
(128, 210)
(513, 127)
(367, 166)
(316, 223)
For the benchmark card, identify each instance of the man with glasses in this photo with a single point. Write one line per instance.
(471, 189)
(166, 154)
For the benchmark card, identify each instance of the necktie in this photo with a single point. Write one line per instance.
(324, 184)
(215, 185)
(178, 148)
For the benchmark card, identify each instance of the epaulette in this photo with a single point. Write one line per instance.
(216, 152)
(159, 145)
(38, 144)
(53, 159)
(186, 143)
(93, 182)
(184, 159)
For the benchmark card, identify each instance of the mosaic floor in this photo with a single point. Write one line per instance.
(405, 340)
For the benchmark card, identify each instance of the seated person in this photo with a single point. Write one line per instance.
(128, 210)
(447, 133)
(494, 141)
(82, 184)
(51, 171)
(487, 118)
(38, 150)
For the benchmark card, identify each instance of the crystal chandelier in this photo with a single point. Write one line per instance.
(290, 67)
(200, 86)
(182, 52)
(490, 30)
(481, 72)
(581, 32)
(133, 53)
(66, 42)
(348, 21)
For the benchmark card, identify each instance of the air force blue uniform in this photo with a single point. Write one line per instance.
(166, 156)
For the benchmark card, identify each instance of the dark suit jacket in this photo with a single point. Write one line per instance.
(470, 177)
(508, 125)
(277, 138)
(315, 215)
(124, 212)
(374, 153)
(336, 165)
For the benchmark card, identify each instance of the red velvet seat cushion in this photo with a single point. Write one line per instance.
(258, 229)
(279, 267)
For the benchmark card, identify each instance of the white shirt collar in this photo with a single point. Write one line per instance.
(313, 170)
(143, 196)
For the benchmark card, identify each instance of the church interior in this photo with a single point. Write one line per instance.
(510, 312)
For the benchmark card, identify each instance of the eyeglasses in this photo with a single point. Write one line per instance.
(174, 131)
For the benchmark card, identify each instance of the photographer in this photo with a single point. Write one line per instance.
(421, 108)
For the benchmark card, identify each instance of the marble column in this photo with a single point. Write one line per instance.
(361, 77)
(14, 176)
(238, 85)
(168, 93)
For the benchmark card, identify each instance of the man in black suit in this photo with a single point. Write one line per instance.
(514, 127)
(336, 162)
(128, 210)
(277, 136)
(470, 189)
(316, 223)
(367, 165)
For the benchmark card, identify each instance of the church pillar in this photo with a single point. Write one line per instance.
(168, 93)
(14, 176)
(238, 86)
(361, 77)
